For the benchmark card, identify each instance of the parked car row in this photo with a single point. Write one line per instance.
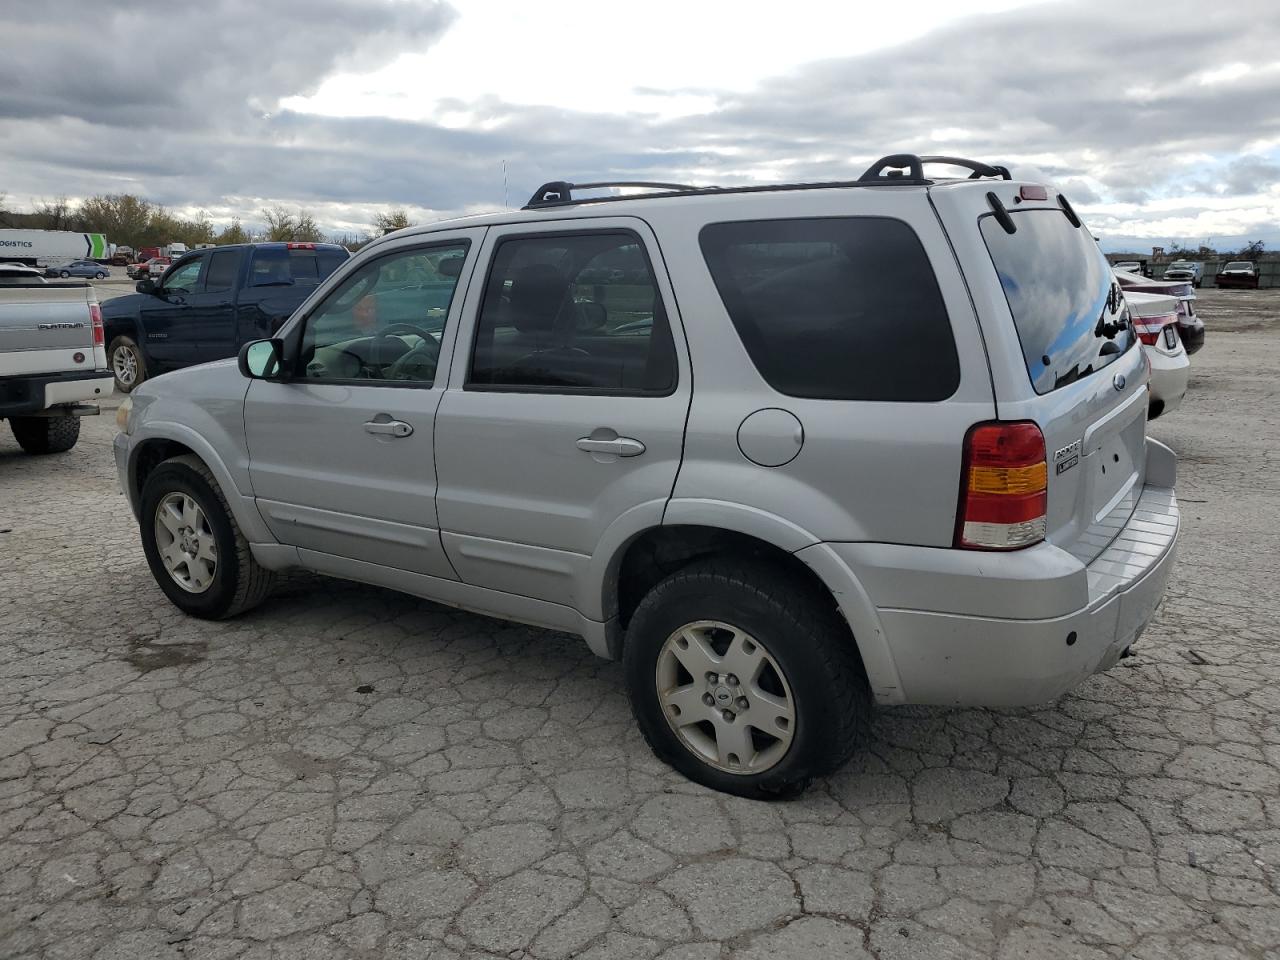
(90, 269)
(696, 428)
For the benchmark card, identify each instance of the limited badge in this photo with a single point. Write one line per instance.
(1067, 457)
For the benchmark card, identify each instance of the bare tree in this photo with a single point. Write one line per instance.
(232, 233)
(387, 221)
(297, 225)
(123, 217)
(54, 215)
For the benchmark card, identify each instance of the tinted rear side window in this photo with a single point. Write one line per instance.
(281, 266)
(836, 308)
(224, 268)
(1059, 288)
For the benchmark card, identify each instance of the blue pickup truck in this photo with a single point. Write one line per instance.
(209, 303)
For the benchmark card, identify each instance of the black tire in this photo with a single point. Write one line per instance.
(127, 343)
(64, 274)
(800, 628)
(239, 583)
(45, 434)
(99, 275)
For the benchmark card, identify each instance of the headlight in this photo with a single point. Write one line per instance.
(122, 415)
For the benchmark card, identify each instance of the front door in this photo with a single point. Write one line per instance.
(341, 453)
(565, 409)
(167, 315)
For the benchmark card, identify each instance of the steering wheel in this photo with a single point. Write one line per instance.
(419, 363)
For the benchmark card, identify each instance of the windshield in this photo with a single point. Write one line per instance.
(1240, 265)
(1070, 321)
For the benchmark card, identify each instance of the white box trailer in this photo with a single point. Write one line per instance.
(52, 248)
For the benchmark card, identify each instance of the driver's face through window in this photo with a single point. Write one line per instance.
(385, 321)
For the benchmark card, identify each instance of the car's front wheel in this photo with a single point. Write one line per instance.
(193, 544)
(128, 366)
(64, 274)
(46, 434)
(745, 679)
(99, 275)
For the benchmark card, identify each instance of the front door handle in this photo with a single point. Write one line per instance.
(618, 446)
(388, 428)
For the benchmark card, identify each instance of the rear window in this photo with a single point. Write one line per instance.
(836, 308)
(281, 266)
(1059, 289)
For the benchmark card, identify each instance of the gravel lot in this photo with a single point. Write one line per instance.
(347, 772)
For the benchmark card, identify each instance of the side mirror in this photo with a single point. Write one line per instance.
(147, 286)
(261, 359)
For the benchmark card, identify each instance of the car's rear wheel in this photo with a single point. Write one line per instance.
(45, 434)
(64, 274)
(744, 678)
(194, 546)
(127, 363)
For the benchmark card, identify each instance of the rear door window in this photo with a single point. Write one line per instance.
(836, 308)
(224, 269)
(573, 313)
(284, 266)
(1065, 304)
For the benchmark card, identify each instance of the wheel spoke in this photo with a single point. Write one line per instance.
(208, 550)
(733, 744)
(190, 513)
(684, 705)
(696, 654)
(744, 658)
(772, 714)
(170, 517)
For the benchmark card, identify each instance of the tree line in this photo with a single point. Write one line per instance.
(137, 222)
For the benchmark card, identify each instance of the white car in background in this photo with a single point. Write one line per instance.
(1155, 317)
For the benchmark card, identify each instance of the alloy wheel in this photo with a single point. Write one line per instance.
(185, 542)
(124, 364)
(725, 697)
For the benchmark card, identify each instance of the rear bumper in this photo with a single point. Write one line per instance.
(1192, 335)
(21, 396)
(1169, 377)
(1016, 629)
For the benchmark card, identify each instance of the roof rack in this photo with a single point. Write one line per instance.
(898, 169)
(560, 191)
(890, 169)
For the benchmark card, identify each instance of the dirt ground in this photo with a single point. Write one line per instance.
(350, 773)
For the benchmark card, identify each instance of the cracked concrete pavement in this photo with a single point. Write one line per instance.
(346, 772)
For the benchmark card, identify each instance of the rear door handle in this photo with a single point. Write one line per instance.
(388, 428)
(619, 446)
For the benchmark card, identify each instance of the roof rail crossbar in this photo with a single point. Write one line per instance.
(561, 191)
(979, 168)
(889, 170)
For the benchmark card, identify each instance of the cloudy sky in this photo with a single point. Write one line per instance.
(1162, 122)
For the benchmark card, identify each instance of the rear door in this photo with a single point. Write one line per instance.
(212, 307)
(566, 405)
(1062, 353)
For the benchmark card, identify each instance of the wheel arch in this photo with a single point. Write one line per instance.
(165, 441)
(656, 552)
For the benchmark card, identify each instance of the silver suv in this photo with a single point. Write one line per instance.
(786, 452)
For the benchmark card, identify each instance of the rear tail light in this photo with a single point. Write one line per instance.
(95, 317)
(1004, 487)
(300, 246)
(1149, 328)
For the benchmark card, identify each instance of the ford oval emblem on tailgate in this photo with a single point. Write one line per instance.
(1118, 381)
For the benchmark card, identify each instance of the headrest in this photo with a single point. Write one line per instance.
(537, 293)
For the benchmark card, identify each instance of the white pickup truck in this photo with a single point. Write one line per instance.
(52, 358)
